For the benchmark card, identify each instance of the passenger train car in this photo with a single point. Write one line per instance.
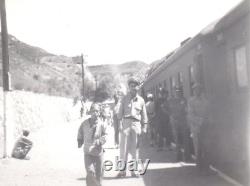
(219, 58)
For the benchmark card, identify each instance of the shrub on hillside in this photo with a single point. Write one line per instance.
(36, 77)
(101, 94)
(18, 86)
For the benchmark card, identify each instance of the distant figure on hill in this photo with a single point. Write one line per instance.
(23, 146)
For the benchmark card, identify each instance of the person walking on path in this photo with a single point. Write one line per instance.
(133, 119)
(92, 133)
(116, 107)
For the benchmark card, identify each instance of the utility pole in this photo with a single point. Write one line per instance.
(83, 74)
(5, 53)
(95, 86)
(95, 82)
(6, 77)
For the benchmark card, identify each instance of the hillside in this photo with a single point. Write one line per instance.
(34, 69)
(125, 68)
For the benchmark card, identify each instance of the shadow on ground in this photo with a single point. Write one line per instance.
(164, 171)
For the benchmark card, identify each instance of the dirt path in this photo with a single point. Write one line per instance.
(56, 160)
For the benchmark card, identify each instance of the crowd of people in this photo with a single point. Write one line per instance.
(170, 122)
(176, 123)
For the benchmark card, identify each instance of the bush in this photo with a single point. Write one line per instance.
(18, 86)
(36, 77)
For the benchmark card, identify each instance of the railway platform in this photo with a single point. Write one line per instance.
(56, 160)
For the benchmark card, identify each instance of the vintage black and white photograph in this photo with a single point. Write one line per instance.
(127, 93)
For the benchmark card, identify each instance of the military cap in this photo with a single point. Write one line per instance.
(149, 95)
(133, 80)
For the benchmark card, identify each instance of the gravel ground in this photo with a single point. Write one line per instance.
(56, 160)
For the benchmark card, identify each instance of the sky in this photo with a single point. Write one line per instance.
(111, 31)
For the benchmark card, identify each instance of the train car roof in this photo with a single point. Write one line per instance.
(233, 15)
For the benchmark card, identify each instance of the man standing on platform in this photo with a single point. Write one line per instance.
(178, 109)
(116, 107)
(133, 119)
(163, 123)
(198, 121)
(150, 106)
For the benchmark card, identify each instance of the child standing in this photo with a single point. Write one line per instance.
(92, 133)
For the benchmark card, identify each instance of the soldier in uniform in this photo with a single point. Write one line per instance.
(116, 106)
(178, 107)
(150, 106)
(198, 119)
(163, 122)
(133, 119)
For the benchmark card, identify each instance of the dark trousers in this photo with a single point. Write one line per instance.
(152, 130)
(165, 131)
(116, 128)
(182, 139)
(202, 159)
(187, 143)
(93, 166)
(178, 130)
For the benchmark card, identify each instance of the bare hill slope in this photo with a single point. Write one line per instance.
(34, 69)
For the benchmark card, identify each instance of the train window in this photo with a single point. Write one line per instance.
(191, 78)
(170, 82)
(180, 79)
(199, 70)
(172, 85)
(241, 67)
